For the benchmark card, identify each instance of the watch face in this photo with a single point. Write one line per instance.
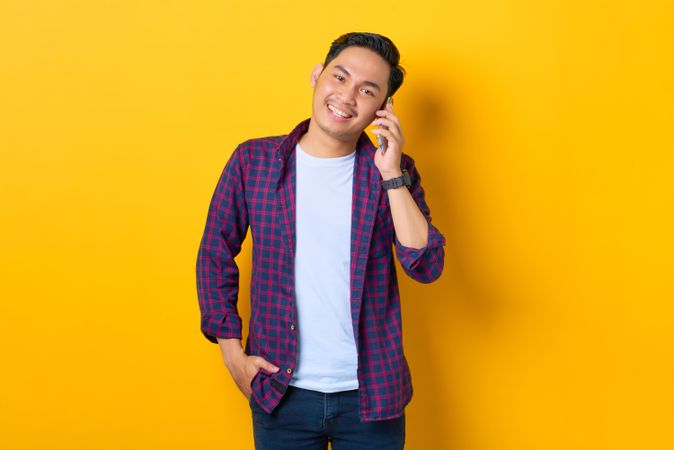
(407, 179)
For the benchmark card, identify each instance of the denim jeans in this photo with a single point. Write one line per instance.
(307, 420)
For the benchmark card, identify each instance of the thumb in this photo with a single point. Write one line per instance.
(269, 367)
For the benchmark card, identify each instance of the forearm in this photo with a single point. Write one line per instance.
(231, 350)
(409, 222)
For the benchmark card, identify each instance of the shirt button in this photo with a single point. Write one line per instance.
(292, 326)
(289, 370)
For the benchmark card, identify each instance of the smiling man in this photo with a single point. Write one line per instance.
(324, 357)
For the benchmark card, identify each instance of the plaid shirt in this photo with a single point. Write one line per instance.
(257, 189)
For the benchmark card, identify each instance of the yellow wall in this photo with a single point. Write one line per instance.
(542, 131)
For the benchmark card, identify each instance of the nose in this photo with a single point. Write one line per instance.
(347, 96)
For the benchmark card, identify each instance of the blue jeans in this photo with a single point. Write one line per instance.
(307, 420)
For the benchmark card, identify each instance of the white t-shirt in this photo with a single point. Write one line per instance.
(327, 353)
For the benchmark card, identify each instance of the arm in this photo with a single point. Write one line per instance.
(421, 252)
(218, 275)
(217, 272)
(419, 244)
(409, 222)
(231, 350)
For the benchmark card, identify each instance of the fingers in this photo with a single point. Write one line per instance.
(250, 371)
(387, 123)
(391, 133)
(266, 365)
(384, 114)
(384, 122)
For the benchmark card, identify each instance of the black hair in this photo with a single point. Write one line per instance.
(377, 43)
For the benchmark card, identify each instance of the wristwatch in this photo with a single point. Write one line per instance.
(403, 180)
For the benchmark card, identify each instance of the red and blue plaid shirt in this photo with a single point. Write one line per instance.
(257, 189)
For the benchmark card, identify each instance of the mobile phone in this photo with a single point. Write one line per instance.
(382, 141)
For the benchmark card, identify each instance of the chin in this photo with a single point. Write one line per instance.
(339, 135)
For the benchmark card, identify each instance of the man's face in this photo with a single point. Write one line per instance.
(355, 82)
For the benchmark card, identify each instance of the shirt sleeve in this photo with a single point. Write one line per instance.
(217, 272)
(423, 264)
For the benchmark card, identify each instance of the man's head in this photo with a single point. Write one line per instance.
(377, 43)
(360, 72)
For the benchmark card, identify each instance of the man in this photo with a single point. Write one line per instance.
(324, 359)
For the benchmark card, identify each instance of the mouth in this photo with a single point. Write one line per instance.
(337, 114)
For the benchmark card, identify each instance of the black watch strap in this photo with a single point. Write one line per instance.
(403, 180)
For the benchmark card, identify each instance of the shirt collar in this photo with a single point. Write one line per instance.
(363, 146)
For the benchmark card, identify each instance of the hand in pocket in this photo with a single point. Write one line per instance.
(245, 368)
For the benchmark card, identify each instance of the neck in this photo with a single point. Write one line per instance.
(318, 143)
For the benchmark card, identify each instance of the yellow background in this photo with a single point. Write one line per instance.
(543, 134)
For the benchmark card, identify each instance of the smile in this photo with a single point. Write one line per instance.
(338, 114)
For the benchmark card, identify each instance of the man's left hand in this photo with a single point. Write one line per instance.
(389, 163)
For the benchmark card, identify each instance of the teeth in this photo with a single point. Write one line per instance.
(338, 112)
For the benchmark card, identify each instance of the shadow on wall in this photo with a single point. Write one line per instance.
(438, 136)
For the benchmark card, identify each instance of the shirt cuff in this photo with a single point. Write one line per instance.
(219, 325)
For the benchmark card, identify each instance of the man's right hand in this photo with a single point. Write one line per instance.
(243, 367)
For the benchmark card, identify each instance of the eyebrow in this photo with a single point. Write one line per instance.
(369, 83)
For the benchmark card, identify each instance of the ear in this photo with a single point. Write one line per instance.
(318, 68)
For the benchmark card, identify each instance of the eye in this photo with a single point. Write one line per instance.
(370, 93)
(339, 77)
